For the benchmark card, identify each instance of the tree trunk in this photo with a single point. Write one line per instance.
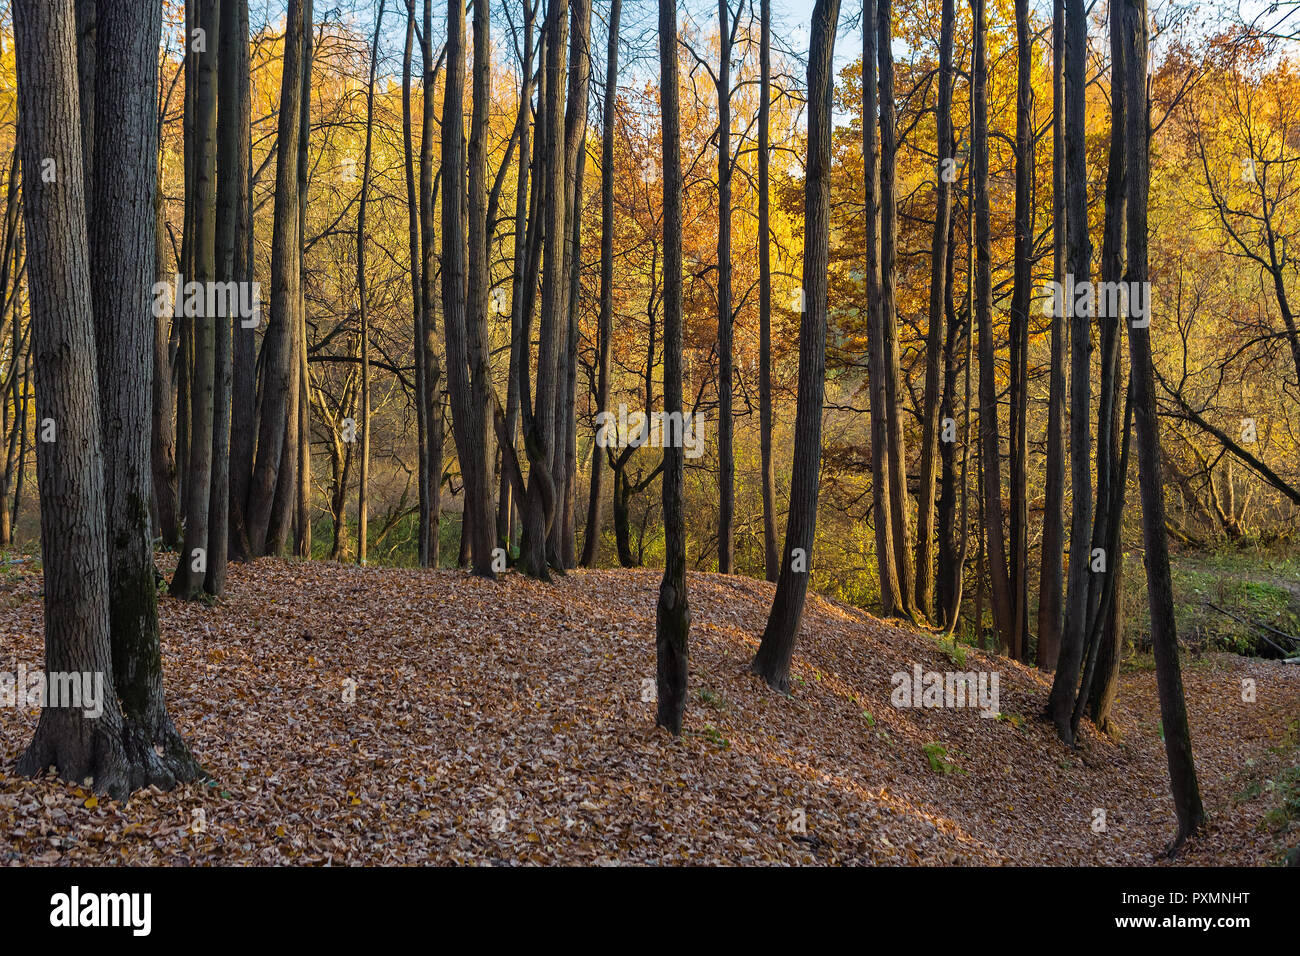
(925, 520)
(243, 400)
(605, 330)
(123, 248)
(413, 223)
(1050, 572)
(301, 503)
(771, 555)
(197, 550)
(673, 613)
(891, 600)
(726, 454)
(1065, 686)
(278, 354)
(163, 428)
(772, 662)
(432, 396)
(901, 518)
(74, 541)
(999, 584)
(362, 316)
(1164, 636)
(1023, 256)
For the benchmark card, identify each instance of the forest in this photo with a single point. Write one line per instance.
(557, 432)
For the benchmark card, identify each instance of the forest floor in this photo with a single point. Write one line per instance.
(503, 723)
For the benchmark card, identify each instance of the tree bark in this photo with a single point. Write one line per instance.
(771, 555)
(363, 488)
(772, 662)
(196, 552)
(605, 330)
(891, 600)
(1052, 560)
(999, 583)
(673, 613)
(925, 520)
(1164, 636)
(123, 248)
(898, 498)
(726, 453)
(278, 369)
(1065, 686)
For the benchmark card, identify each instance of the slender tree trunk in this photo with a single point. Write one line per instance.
(726, 454)
(163, 428)
(605, 330)
(898, 499)
(301, 503)
(1173, 707)
(413, 222)
(278, 353)
(362, 305)
(575, 132)
(432, 396)
(771, 555)
(508, 500)
(196, 552)
(1065, 686)
(243, 404)
(891, 600)
(1022, 254)
(673, 613)
(999, 584)
(944, 172)
(772, 662)
(1050, 572)
(1103, 624)
(539, 427)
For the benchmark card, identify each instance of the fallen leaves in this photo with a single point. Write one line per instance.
(356, 716)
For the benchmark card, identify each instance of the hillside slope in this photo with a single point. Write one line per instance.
(503, 723)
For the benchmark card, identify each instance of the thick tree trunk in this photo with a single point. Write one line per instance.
(772, 662)
(74, 541)
(123, 248)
